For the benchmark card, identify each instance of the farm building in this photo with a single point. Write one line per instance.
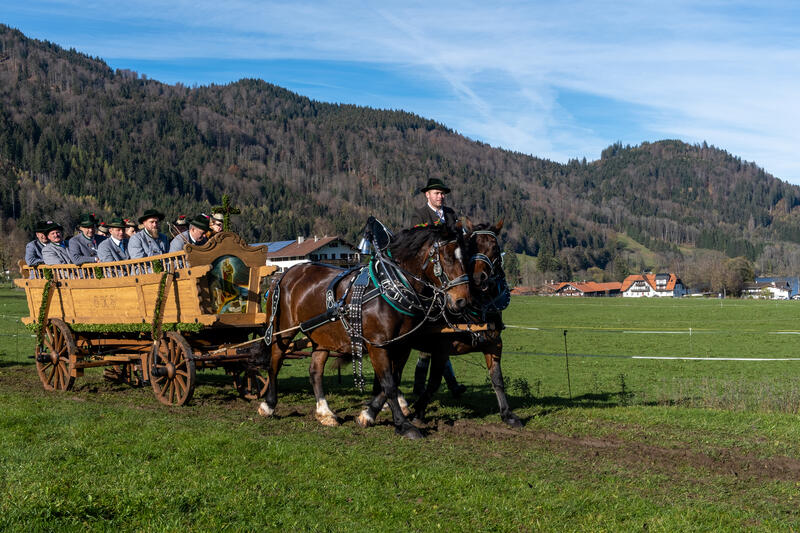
(331, 250)
(588, 288)
(767, 290)
(653, 285)
(793, 282)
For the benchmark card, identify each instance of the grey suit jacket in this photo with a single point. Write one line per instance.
(108, 251)
(33, 253)
(84, 250)
(143, 245)
(181, 240)
(54, 254)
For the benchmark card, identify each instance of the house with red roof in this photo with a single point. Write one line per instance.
(653, 285)
(588, 288)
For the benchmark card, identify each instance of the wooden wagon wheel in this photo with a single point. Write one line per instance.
(250, 383)
(173, 378)
(52, 359)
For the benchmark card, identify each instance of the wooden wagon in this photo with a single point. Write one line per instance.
(155, 320)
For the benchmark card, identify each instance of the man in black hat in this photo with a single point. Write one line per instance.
(33, 250)
(83, 247)
(55, 252)
(435, 212)
(115, 248)
(149, 241)
(196, 234)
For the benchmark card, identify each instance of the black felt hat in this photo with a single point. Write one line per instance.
(435, 184)
(200, 221)
(151, 213)
(53, 226)
(41, 226)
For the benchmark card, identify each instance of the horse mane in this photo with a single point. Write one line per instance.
(407, 244)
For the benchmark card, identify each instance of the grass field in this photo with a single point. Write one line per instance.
(624, 444)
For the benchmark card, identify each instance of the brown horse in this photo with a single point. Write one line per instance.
(489, 298)
(431, 263)
(488, 288)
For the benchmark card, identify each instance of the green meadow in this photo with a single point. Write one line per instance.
(647, 418)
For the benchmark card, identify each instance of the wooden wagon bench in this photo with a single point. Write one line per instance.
(157, 319)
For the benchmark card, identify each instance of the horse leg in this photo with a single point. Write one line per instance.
(267, 407)
(434, 382)
(316, 371)
(493, 355)
(383, 369)
(397, 372)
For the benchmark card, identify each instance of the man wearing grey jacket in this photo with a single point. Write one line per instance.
(115, 247)
(149, 241)
(83, 246)
(55, 252)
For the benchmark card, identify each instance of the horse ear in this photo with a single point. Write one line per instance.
(498, 226)
(468, 224)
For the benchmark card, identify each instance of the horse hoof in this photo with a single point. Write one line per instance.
(265, 410)
(412, 433)
(364, 420)
(328, 420)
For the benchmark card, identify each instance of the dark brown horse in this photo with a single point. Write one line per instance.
(431, 261)
(489, 298)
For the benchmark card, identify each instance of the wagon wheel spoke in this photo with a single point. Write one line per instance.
(53, 358)
(176, 384)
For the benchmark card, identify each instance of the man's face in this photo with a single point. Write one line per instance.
(88, 232)
(435, 198)
(55, 236)
(215, 225)
(117, 233)
(129, 231)
(195, 232)
(41, 237)
(151, 224)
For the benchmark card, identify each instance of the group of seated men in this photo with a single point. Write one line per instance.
(126, 239)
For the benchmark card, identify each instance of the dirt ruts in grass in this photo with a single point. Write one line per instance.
(634, 454)
(627, 454)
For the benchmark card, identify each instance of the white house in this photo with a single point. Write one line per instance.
(770, 290)
(331, 250)
(653, 285)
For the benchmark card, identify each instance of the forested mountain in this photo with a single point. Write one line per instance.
(76, 135)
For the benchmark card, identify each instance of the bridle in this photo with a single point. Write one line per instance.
(435, 257)
(477, 256)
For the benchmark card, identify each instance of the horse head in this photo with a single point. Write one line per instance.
(485, 257)
(434, 254)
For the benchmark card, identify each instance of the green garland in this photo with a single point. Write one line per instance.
(158, 266)
(187, 327)
(98, 273)
(159, 303)
(48, 287)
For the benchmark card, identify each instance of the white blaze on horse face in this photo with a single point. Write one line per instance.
(458, 253)
(265, 410)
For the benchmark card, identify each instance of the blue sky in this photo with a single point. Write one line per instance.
(558, 80)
